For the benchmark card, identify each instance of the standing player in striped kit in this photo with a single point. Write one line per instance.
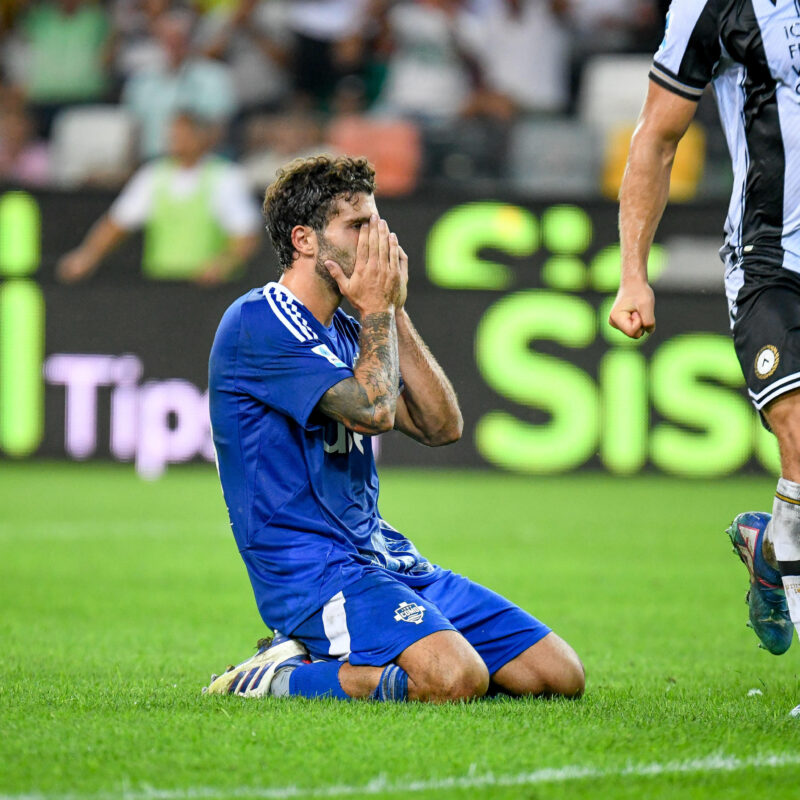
(749, 51)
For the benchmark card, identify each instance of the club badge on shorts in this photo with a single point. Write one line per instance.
(409, 612)
(767, 360)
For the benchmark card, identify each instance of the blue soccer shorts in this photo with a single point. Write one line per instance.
(374, 619)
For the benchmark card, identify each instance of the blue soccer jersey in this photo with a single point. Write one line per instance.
(301, 489)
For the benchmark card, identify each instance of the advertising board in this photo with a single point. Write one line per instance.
(511, 297)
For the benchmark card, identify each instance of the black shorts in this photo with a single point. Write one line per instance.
(766, 333)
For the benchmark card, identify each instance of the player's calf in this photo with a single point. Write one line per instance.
(459, 682)
(783, 416)
(568, 680)
(549, 668)
(444, 668)
(786, 540)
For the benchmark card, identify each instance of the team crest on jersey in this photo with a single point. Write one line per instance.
(767, 360)
(409, 612)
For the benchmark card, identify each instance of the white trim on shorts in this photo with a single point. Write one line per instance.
(334, 622)
(786, 384)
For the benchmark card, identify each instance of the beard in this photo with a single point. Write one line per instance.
(329, 252)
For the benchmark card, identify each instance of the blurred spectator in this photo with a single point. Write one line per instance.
(11, 96)
(610, 27)
(13, 60)
(613, 25)
(464, 70)
(272, 141)
(200, 222)
(63, 56)
(251, 36)
(329, 44)
(9, 11)
(184, 82)
(134, 45)
(350, 96)
(426, 78)
(24, 160)
(515, 54)
(204, 6)
(521, 54)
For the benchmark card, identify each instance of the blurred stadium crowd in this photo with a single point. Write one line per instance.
(479, 91)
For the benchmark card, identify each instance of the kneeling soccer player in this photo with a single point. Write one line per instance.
(297, 387)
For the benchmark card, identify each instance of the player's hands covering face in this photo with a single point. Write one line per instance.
(380, 274)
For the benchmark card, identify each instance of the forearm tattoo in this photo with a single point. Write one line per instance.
(364, 402)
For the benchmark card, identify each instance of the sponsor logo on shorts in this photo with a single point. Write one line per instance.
(409, 612)
(767, 360)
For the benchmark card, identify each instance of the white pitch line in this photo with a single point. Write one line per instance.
(381, 785)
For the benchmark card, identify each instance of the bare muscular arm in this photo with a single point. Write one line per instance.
(81, 262)
(428, 409)
(643, 197)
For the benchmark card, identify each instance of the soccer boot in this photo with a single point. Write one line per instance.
(769, 614)
(252, 678)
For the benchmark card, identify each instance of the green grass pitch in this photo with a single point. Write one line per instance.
(119, 597)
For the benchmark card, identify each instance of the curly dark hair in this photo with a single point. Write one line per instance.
(305, 192)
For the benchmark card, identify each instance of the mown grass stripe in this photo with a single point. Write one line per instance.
(384, 786)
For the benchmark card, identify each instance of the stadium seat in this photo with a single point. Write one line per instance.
(393, 147)
(553, 157)
(92, 144)
(612, 90)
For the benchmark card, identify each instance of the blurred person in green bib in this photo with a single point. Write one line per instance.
(200, 222)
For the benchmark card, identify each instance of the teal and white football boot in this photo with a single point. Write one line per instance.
(769, 614)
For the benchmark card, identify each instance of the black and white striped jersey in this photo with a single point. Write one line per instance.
(749, 51)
